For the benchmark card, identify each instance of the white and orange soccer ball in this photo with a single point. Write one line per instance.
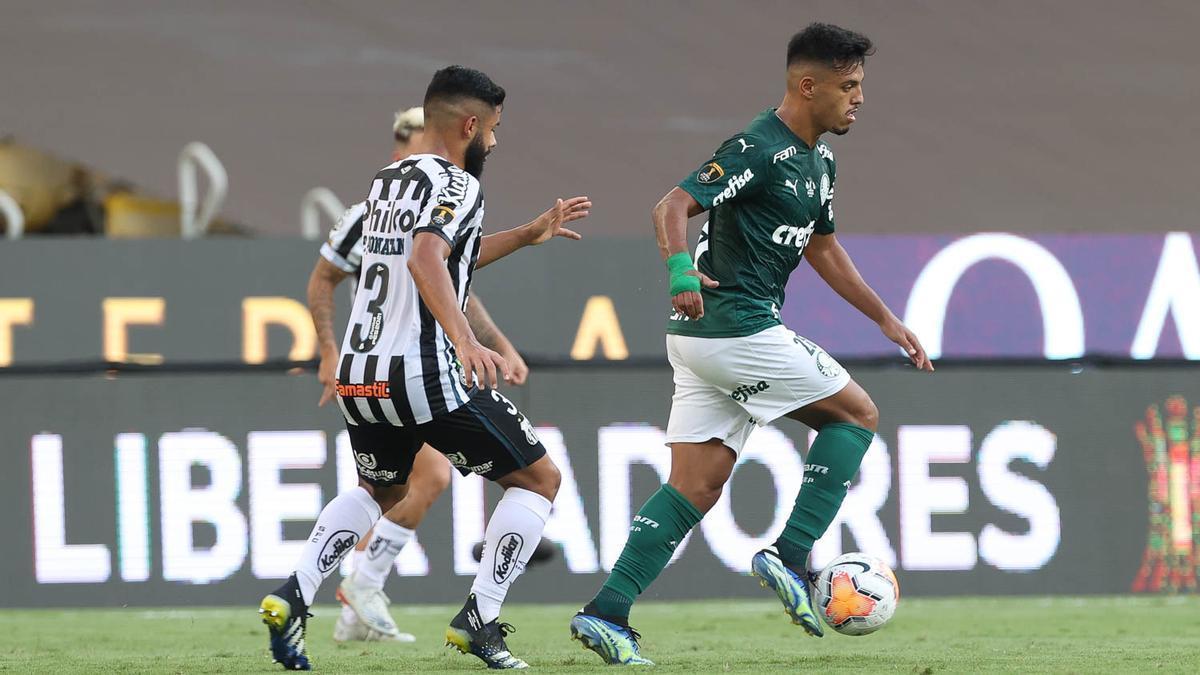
(856, 594)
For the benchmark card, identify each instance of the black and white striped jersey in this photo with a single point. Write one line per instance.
(397, 365)
(343, 249)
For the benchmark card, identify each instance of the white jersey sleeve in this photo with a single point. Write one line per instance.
(344, 247)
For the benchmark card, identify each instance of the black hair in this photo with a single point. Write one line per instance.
(833, 46)
(454, 82)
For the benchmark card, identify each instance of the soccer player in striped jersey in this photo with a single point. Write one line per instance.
(411, 370)
(340, 257)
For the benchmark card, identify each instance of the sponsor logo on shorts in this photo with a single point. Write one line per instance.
(710, 173)
(442, 215)
(507, 551)
(457, 459)
(481, 468)
(372, 390)
(745, 391)
(735, 184)
(367, 468)
(337, 546)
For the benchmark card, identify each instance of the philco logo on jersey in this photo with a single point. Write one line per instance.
(442, 215)
(789, 151)
(735, 183)
(824, 151)
(372, 390)
(790, 235)
(506, 556)
(710, 173)
(745, 391)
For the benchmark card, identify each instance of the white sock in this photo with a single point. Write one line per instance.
(353, 560)
(384, 545)
(512, 534)
(348, 615)
(341, 524)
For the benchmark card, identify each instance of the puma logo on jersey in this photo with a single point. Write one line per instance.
(736, 183)
(790, 235)
(745, 146)
(791, 184)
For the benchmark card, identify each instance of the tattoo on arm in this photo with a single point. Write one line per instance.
(321, 286)
(485, 329)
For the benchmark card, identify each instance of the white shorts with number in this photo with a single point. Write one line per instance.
(724, 387)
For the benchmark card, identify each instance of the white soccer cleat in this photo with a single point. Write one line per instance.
(371, 606)
(357, 631)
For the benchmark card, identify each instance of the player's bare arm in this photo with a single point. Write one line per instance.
(537, 231)
(428, 268)
(670, 217)
(833, 264)
(324, 279)
(490, 336)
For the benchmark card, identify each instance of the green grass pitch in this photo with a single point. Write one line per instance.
(951, 635)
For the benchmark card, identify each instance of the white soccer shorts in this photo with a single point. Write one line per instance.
(724, 387)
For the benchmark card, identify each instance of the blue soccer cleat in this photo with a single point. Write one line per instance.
(792, 589)
(616, 643)
(286, 617)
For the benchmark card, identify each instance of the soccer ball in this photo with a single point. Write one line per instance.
(856, 594)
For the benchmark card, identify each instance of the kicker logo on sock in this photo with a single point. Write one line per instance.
(506, 556)
(376, 548)
(337, 546)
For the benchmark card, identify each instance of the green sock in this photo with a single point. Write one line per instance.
(657, 529)
(830, 465)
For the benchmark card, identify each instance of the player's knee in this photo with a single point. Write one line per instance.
(551, 479)
(867, 414)
(387, 496)
(702, 493)
(439, 480)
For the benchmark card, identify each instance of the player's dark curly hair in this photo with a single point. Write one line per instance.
(453, 82)
(834, 46)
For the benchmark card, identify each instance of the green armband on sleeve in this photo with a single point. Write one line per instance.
(679, 265)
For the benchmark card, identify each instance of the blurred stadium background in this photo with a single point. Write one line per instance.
(1020, 188)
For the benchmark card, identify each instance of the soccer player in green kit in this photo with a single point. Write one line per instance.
(770, 191)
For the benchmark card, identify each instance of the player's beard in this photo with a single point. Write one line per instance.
(476, 154)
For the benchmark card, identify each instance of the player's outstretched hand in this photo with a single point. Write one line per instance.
(326, 378)
(900, 334)
(550, 223)
(691, 303)
(520, 370)
(481, 365)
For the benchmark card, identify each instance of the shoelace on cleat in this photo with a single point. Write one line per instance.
(506, 629)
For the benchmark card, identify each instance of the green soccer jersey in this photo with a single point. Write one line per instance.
(767, 193)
